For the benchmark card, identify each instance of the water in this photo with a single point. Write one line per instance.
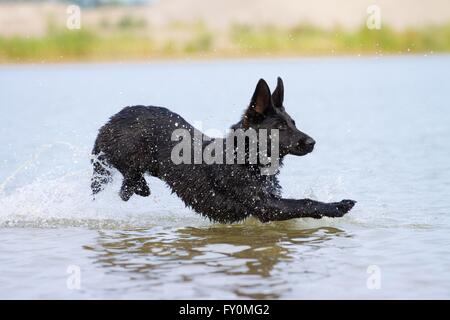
(382, 130)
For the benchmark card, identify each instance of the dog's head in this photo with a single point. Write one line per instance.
(267, 111)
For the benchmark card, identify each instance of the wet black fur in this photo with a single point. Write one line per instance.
(137, 140)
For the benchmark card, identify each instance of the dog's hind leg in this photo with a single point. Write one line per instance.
(101, 175)
(134, 184)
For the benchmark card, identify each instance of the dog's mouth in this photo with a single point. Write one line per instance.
(301, 151)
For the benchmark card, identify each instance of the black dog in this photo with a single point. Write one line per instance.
(138, 140)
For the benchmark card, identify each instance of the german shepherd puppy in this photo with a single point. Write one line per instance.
(138, 140)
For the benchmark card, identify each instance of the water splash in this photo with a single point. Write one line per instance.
(44, 194)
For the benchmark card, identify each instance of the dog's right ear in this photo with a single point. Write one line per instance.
(278, 94)
(260, 104)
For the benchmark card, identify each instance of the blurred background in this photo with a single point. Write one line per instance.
(52, 31)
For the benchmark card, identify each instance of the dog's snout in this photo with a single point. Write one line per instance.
(310, 142)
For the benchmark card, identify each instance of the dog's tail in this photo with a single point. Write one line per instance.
(101, 173)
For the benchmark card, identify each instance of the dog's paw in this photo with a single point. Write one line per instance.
(338, 209)
(345, 206)
(143, 191)
(125, 194)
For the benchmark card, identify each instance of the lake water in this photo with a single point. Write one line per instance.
(382, 127)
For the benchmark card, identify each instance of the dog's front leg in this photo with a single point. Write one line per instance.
(284, 209)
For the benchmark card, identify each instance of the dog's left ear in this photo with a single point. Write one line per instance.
(278, 94)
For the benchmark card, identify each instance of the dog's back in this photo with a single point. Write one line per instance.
(133, 135)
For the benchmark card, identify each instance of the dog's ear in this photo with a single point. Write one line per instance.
(261, 100)
(278, 94)
(260, 104)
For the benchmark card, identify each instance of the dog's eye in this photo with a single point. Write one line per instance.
(293, 122)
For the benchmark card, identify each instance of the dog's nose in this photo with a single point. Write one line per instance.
(310, 142)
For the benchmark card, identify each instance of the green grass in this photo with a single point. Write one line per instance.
(202, 41)
(56, 45)
(305, 39)
(240, 40)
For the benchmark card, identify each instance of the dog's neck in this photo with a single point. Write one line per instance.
(240, 125)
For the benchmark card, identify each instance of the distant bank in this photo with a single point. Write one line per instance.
(221, 28)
